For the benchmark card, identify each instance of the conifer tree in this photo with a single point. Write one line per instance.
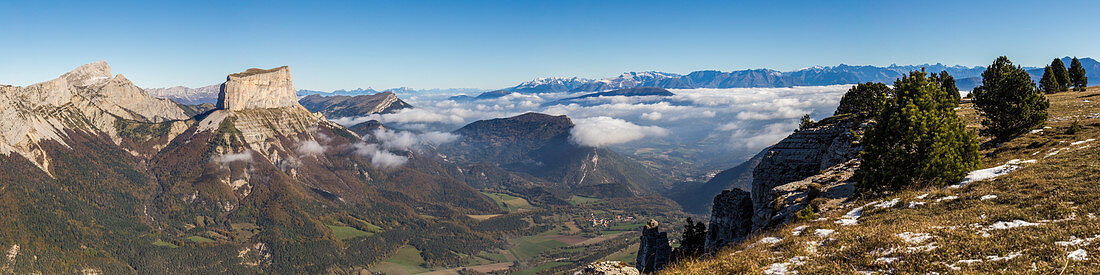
(1049, 83)
(864, 98)
(1009, 101)
(1077, 75)
(1061, 74)
(692, 240)
(948, 83)
(917, 140)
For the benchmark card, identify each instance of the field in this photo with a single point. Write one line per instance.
(347, 232)
(407, 260)
(509, 203)
(1038, 217)
(528, 247)
(200, 239)
(579, 200)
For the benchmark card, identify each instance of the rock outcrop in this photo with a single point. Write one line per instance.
(260, 108)
(87, 99)
(731, 219)
(258, 89)
(654, 250)
(805, 153)
(811, 163)
(607, 268)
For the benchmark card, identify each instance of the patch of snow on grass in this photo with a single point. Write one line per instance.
(887, 204)
(784, 267)
(1002, 225)
(1078, 255)
(887, 260)
(769, 240)
(923, 248)
(1010, 256)
(824, 232)
(947, 198)
(922, 196)
(914, 238)
(988, 197)
(1075, 241)
(989, 173)
(797, 231)
(969, 262)
(1075, 143)
(914, 204)
(852, 217)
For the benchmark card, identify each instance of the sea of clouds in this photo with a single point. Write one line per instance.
(727, 124)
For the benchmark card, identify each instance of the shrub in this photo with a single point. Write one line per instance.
(805, 122)
(1009, 101)
(916, 140)
(806, 214)
(1073, 128)
(865, 98)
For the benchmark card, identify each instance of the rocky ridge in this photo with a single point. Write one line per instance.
(87, 99)
(338, 106)
(811, 163)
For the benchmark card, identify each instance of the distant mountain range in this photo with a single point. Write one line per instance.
(338, 106)
(966, 78)
(640, 91)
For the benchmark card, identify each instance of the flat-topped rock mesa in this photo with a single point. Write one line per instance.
(258, 89)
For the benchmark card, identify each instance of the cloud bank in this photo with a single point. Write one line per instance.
(721, 124)
(603, 131)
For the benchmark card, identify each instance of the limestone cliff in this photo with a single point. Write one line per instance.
(814, 162)
(86, 99)
(258, 89)
(259, 108)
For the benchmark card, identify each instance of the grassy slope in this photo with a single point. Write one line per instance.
(1056, 196)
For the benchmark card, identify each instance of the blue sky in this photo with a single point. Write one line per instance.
(494, 44)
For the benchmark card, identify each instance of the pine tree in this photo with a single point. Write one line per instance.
(692, 240)
(1049, 83)
(864, 98)
(917, 140)
(1009, 101)
(1061, 74)
(948, 83)
(1077, 75)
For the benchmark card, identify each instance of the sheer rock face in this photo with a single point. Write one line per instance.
(730, 220)
(258, 89)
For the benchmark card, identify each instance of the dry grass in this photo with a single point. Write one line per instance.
(1057, 194)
